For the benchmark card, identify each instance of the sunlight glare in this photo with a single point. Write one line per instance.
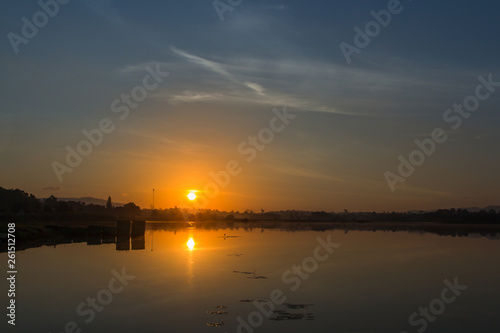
(190, 244)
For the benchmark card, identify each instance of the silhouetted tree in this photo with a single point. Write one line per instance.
(132, 209)
(50, 204)
(18, 201)
(64, 207)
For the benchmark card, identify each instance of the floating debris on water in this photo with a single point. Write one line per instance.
(217, 312)
(253, 300)
(228, 236)
(221, 307)
(288, 316)
(213, 324)
(280, 315)
(257, 277)
(240, 272)
(292, 316)
(235, 255)
(296, 306)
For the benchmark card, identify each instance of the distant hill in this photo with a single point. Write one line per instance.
(477, 209)
(469, 209)
(94, 201)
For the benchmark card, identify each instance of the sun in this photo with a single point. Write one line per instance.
(191, 196)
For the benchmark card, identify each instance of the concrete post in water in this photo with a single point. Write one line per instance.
(123, 228)
(138, 228)
(108, 235)
(138, 243)
(122, 243)
(123, 235)
(94, 235)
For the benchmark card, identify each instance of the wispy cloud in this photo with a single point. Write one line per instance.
(482, 136)
(297, 171)
(255, 87)
(51, 188)
(294, 103)
(243, 90)
(218, 68)
(106, 10)
(190, 97)
(315, 86)
(159, 141)
(210, 65)
(140, 67)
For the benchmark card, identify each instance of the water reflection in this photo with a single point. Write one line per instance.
(130, 235)
(123, 243)
(196, 279)
(453, 230)
(190, 244)
(138, 243)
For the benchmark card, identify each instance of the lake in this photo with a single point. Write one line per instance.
(276, 277)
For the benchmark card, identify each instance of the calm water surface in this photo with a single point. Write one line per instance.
(372, 282)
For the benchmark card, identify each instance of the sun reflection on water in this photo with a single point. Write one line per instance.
(190, 244)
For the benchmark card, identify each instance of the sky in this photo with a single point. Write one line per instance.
(270, 105)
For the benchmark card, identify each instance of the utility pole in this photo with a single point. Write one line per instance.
(153, 199)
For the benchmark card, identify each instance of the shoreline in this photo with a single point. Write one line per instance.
(32, 235)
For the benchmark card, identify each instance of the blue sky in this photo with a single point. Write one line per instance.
(225, 77)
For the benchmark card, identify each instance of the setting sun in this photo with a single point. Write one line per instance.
(191, 195)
